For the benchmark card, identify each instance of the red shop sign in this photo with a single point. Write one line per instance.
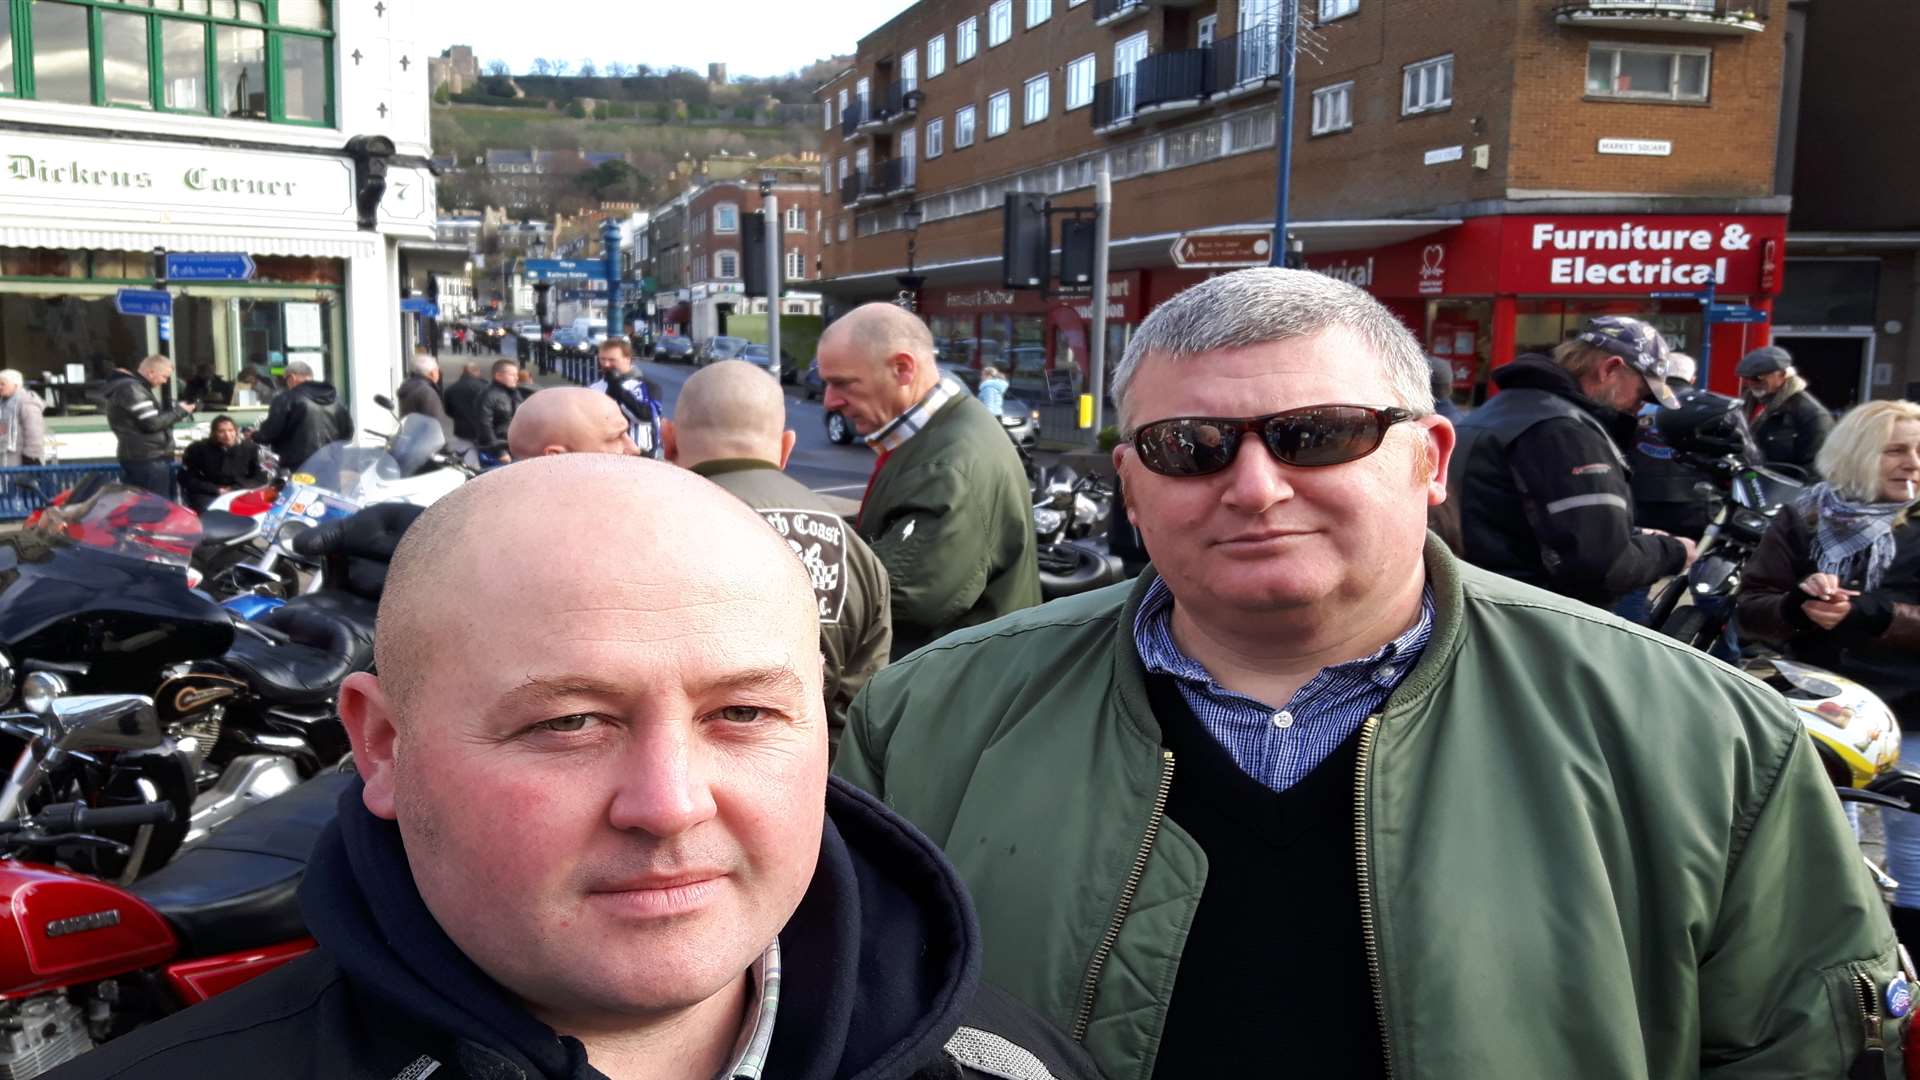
(1627, 254)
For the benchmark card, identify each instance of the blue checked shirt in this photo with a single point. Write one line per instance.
(1279, 747)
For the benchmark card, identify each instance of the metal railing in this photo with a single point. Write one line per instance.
(1113, 101)
(853, 116)
(902, 100)
(896, 174)
(1247, 58)
(26, 488)
(1181, 75)
(854, 186)
(1754, 10)
(1105, 9)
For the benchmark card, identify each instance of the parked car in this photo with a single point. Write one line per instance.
(527, 330)
(840, 430)
(720, 348)
(966, 373)
(812, 386)
(672, 347)
(756, 353)
(569, 339)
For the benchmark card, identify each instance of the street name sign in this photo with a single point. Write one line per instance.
(1734, 313)
(143, 302)
(209, 266)
(543, 269)
(1219, 251)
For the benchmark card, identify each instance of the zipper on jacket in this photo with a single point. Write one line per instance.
(1872, 1060)
(1368, 731)
(1084, 1015)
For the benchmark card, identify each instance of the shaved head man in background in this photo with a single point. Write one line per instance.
(948, 509)
(730, 426)
(568, 420)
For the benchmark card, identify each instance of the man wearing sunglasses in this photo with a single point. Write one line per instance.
(1313, 798)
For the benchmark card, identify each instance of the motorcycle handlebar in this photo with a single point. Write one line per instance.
(81, 818)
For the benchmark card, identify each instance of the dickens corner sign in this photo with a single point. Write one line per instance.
(64, 169)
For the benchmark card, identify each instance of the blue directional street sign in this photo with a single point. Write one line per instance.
(420, 305)
(209, 266)
(1735, 313)
(545, 269)
(144, 302)
(1701, 295)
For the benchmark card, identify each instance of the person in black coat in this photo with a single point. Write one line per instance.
(493, 412)
(622, 857)
(303, 418)
(463, 401)
(218, 464)
(142, 430)
(1788, 422)
(419, 392)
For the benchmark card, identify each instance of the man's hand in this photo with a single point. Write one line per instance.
(504, 457)
(188, 406)
(1693, 550)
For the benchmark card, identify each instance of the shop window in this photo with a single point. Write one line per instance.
(1025, 361)
(1427, 86)
(996, 337)
(97, 52)
(1648, 73)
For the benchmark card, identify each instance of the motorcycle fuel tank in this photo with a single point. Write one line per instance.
(60, 929)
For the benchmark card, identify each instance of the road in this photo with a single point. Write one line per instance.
(840, 471)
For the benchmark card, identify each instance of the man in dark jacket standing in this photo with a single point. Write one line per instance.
(419, 392)
(1788, 422)
(948, 509)
(1664, 498)
(142, 429)
(493, 413)
(730, 426)
(609, 848)
(304, 417)
(1541, 471)
(463, 400)
(219, 463)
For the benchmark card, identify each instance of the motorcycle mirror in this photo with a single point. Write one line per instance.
(1703, 490)
(384, 402)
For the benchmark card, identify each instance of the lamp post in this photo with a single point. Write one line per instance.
(770, 211)
(911, 282)
(610, 265)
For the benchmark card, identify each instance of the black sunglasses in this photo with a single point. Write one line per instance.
(1310, 437)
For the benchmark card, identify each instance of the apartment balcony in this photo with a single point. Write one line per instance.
(1110, 12)
(897, 177)
(854, 115)
(1170, 84)
(1249, 62)
(854, 187)
(1113, 105)
(900, 105)
(1674, 16)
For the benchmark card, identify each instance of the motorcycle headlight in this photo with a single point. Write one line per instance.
(6, 679)
(39, 690)
(1084, 508)
(1047, 520)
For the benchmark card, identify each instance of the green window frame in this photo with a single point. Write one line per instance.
(210, 17)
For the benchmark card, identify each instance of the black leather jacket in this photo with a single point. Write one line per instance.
(1790, 433)
(143, 429)
(302, 420)
(493, 415)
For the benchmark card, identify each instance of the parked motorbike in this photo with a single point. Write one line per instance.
(82, 961)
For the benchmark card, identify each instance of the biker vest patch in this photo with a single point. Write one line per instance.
(819, 541)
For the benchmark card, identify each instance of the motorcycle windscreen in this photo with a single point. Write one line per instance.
(417, 440)
(346, 470)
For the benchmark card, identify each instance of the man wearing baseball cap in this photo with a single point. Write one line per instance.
(1541, 469)
(1788, 422)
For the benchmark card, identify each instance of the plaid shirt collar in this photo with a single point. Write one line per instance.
(756, 1036)
(908, 424)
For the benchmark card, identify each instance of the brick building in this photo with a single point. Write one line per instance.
(698, 249)
(1495, 172)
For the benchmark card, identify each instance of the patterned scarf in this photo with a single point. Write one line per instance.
(1847, 528)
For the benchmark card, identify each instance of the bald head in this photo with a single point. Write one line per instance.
(878, 332)
(877, 361)
(594, 518)
(731, 409)
(568, 420)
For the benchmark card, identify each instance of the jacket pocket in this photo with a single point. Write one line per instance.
(1872, 1001)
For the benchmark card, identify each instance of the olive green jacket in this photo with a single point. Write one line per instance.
(951, 516)
(1586, 850)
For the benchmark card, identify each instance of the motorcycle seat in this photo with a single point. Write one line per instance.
(219, 528)
(356, 611)
(325, 648)
(240, 888)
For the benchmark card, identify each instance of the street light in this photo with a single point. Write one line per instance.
(910, 282)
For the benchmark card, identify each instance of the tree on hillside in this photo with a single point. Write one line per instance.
(498, 69)
(542, 66)
(615, 181)
(588, 70)
(561, 68)
(619, 69)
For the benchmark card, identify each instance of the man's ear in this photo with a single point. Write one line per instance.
(787, 442)
(373, 731)
(1437, 450)
(903, 365)
(670, 442)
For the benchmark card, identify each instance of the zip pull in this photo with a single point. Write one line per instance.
(1871, 1064)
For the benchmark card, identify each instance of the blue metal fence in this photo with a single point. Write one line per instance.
(26, 488)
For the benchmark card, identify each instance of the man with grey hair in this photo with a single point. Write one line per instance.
(1313, 795)
(142, 429)
(304, 417)
(948, 509)
(419, 392)
(1788, 422)
(23, 425)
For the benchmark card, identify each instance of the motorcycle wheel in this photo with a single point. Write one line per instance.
(1071, 569)
(1686, 624)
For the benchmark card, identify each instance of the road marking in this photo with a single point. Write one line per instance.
(842, 487)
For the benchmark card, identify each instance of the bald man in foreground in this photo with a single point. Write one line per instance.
(948, 509)
(568, 420)
(605, 845)
(730, 426)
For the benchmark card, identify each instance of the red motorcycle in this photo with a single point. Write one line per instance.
(83, 961)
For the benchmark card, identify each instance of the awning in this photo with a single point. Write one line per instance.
(117, 238)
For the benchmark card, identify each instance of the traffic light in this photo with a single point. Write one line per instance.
(1077, 238)
(1025, 249)
(753, 253)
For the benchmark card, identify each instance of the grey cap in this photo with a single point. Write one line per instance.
(1640, 345)
(1764, 361)
(1442, 375)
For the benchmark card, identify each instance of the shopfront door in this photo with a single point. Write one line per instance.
(1838, 367)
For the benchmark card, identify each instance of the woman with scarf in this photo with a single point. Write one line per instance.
(1836, 582)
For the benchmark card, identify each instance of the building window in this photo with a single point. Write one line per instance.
(936, 137)
(1209, 29)
(999, 113)
(843, 230)
(1039, 94)
(843, 104)
(796, 265)
(796, 219)
(966, 39)
(89, 52)
(936, 55)
(909, 69)
(726, 218)
(1648, 73)
(1334, 9)
(999, 23)
(726, 265)
(1426, 86)
(1080, 82)
(860, 160)
(963, 127)
(843, 170)
(826, 115)
(1333, 108)
(1038, 11)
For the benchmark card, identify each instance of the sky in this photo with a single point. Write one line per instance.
(752, 37)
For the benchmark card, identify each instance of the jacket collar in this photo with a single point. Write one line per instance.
(1535, 372)
(723, 466)
(910, 423)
